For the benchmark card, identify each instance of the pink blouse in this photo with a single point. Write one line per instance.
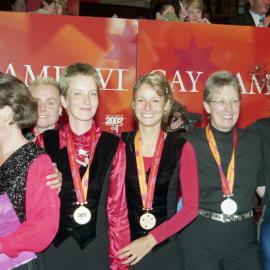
(42, 213)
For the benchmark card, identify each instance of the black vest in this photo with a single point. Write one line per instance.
(167, 183)
(13, 175)
(97, 191)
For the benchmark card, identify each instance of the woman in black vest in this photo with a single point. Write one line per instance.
(93, 221)
(159, 165)
(29, 210)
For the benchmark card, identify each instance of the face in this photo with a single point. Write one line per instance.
(260, 7)
(49, 107)
(224, 108)
(194, 15)
(169, 9)
(81, 101)
(148, 106)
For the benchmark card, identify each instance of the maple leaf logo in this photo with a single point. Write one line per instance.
(124, 47)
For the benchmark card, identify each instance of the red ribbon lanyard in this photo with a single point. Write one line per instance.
(147, 191)
(227, 182)
(80, 185)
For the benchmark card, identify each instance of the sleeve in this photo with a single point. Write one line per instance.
(119, 233)
(190, 196)
(42, 213)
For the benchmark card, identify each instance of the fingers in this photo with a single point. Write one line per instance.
(133, 259)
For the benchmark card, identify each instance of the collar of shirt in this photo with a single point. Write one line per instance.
(256, 17)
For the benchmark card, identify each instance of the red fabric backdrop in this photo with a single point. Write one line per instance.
(33, 44)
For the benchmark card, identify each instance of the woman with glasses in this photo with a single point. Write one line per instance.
(230, 166)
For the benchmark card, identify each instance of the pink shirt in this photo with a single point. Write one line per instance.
(42, 213)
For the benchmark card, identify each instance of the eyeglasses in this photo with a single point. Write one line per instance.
(234, 103)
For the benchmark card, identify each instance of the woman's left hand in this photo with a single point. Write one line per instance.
(137, 249)
(54, 180)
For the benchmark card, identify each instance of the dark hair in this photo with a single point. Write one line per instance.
(15, 94)
(75, 70)
(177, 112)
(160, 7)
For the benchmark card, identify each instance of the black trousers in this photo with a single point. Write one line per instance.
(69, 256)
(213, 245)
(166, 256)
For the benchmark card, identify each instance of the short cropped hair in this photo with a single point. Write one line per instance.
(75, 70)
(15, 94)
(39, 81)
(217, 81)
(160, 84)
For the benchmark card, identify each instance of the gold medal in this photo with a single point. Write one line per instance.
(147, 221)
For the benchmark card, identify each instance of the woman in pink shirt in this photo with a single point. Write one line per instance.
(33, 209)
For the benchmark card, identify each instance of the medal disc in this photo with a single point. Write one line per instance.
(228, 206)
(147, 221)
(82, 215)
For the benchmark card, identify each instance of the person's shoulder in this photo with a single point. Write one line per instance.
(128, 136)
(243, 19)
(194, 133)
(260, 125)
(108, 136)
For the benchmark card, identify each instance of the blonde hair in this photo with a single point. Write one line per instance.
(75, 70)
(196, 4)
(39, 81)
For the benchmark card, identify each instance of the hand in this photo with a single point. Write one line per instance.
(137, 249)
(205, 20)
(261, 191)
(55, 179)
(183, 14)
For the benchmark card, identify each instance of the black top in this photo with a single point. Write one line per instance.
(262, 127)
(167, 183)
(244, 19)
(248, 168)
(96, 196)
(13, 176)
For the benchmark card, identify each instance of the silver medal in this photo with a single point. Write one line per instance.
(147, 221)
(82, 215)
(228, 206)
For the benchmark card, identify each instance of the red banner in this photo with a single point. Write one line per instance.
(188, 53)
(33, 44)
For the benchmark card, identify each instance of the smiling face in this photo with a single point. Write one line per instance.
(260, 7)
(81, 99)
(49, 107)
(224, 108)
(194, 15)
(149, 106)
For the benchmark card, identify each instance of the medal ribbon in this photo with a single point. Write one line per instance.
(227, 182)
(80, 185)
(147, 191)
